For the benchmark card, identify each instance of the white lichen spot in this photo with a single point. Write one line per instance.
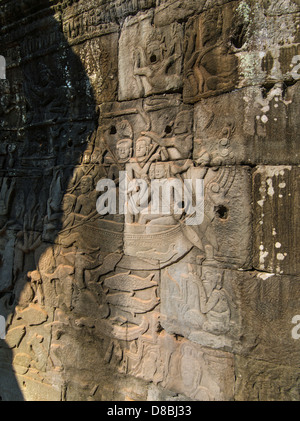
(274, 231)
(244, 11)
(260, 202)
(264, 119)
(262, 256)
(282, 185)
(269, 171)
(265, 109)
(280, 196)
(270, 189)
(278, 245)
(280, 256)
(265, 276)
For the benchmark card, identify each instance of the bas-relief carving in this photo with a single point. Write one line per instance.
(153, 56)
(128, 304)
(10, 105)
(166, 361)
(265, 381)
(99, 56)
(197, 305)
(137, 347)
(45, 100)
(146, 154)
(153, 295)
(215, 230)
(210, 68)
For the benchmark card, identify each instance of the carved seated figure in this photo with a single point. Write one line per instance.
(214, 302)
(159, 171)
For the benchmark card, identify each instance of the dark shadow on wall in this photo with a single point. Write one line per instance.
(48, 120)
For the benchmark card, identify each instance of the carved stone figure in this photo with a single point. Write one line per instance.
(209, 67)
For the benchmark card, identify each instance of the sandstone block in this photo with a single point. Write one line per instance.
(276, 203)
(265, 131)
(265, 381)
(149, 58)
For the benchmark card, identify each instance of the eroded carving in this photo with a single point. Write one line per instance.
(210, 68)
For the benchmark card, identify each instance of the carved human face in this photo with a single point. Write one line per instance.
(209, 281)
(124, 149)
(160, 171)
(67, 205)
(141, 148)
(85, 185)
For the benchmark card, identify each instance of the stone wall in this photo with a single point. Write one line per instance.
(142, 306)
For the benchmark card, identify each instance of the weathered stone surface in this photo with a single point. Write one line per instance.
(210, 68)
(249, 126)
(39, 389)
(270, 52)
(201, 303)
(168, 11)
(149, 58)
(267, 306)
(179, 280)
(200, 373)
(276, 231)
(101, 65)
(265, 381)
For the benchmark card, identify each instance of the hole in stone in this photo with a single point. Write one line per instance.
(159, 328)
(265, 89)
(222, 211)
(153, 58)
(286, 84)
(113, 130)
(238, 38)
(168, 129)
